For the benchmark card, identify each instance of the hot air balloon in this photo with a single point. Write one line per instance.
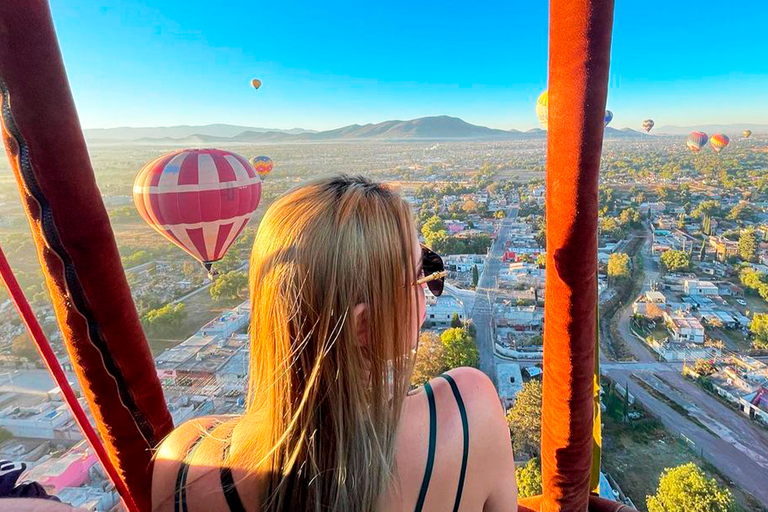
(648, 125)
(718, 142)
(608, 117)
(542, 109)
(256, 83)
(199, 199)
(263, 165)
(747, 133)
(696, 141)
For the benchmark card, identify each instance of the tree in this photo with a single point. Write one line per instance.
(430, 359)
(432, 225)
(704, 367)
(675, 261)
(460, 348)
(499, 214)
(22, 346)
(685, 488)
(475, 275)
(751, 278)
(748, 244)
(706, 225)
(230, 286)
(165, 319)
(629, 217)
(710, 208)
(759, 327)
(618, 266)
(456, 321)
(524, 418)
(529, 478)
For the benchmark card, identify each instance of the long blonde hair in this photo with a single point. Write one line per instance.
(324, 402)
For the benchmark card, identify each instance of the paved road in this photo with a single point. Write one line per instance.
(737, 446)
(651, 274)
(482, 312)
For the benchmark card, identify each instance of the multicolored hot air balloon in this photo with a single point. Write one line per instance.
(542, 109)
(718, 142)
(263, 165)
(648, 125)
(747, 133)
(256, 83)
(199, 199)
(608, 117)
(696, 141)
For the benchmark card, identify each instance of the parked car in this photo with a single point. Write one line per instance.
(741, 302)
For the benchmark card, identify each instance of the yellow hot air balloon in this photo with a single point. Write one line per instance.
(256, 83)
(542, 109)
(747, 133)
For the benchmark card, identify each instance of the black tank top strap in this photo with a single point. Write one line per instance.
(228, 486)
(433, 442)
(180, 492)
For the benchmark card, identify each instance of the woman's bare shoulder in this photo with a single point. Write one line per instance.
(173, 451)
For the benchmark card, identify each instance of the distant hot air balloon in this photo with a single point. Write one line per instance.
(199, 199)
(263, 165)
(696, 141)
(608, 117)
(256, 83)
(648, 125)
(719, 141)
(747, 133)
(542, 109)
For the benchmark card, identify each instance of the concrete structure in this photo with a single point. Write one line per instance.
(47, 420)
(464, 262)
(510, 382)
(698, 287)
(684, 327)
(440, 310)
(95, 499)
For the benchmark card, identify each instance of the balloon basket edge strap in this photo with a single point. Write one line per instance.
(57, 373)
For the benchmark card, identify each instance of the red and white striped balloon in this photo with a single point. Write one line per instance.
(199, 199)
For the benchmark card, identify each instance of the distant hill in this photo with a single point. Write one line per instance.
(177, 132)
(423, 128)
(732, 130)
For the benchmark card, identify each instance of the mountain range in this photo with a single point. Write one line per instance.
(424, 128)
(732, 130)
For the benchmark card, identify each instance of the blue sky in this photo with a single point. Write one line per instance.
(331, 63)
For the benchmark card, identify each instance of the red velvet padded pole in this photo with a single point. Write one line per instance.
(76, 247)
(579, 54)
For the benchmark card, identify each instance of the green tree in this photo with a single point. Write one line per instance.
(748, 244)
(499, 214)
(432, 225)
(629, 217)
(759, 327)
(460, 348)
(22, 346)
(704, 367)
(709, 207)
(751, 278)
(528, 478)
(430, 359)
(475, 275)
(524, 418)
(618, 266)
(230, 286)
(456, 321)
(165, 319)
(675, 261)
(686, 488)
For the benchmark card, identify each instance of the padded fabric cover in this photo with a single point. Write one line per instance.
(596, 504)
(76, 246)
(579, 53)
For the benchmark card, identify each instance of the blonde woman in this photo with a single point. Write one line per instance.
(337, 281)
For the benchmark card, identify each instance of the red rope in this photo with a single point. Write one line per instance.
(54, 368)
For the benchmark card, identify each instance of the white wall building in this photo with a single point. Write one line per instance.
(698, 287)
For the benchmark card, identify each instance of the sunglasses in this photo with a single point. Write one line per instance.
(434, 271)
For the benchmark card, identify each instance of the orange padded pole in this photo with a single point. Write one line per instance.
(579, 54)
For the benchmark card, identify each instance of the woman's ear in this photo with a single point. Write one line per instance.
(360, 314)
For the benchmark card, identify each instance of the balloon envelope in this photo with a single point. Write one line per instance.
(199, 199)
(747, 133)
(719, 141)
(263, 165)
(542, 109)
(608, 117)
(256, 83)
(648, 125)
(696, 141)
